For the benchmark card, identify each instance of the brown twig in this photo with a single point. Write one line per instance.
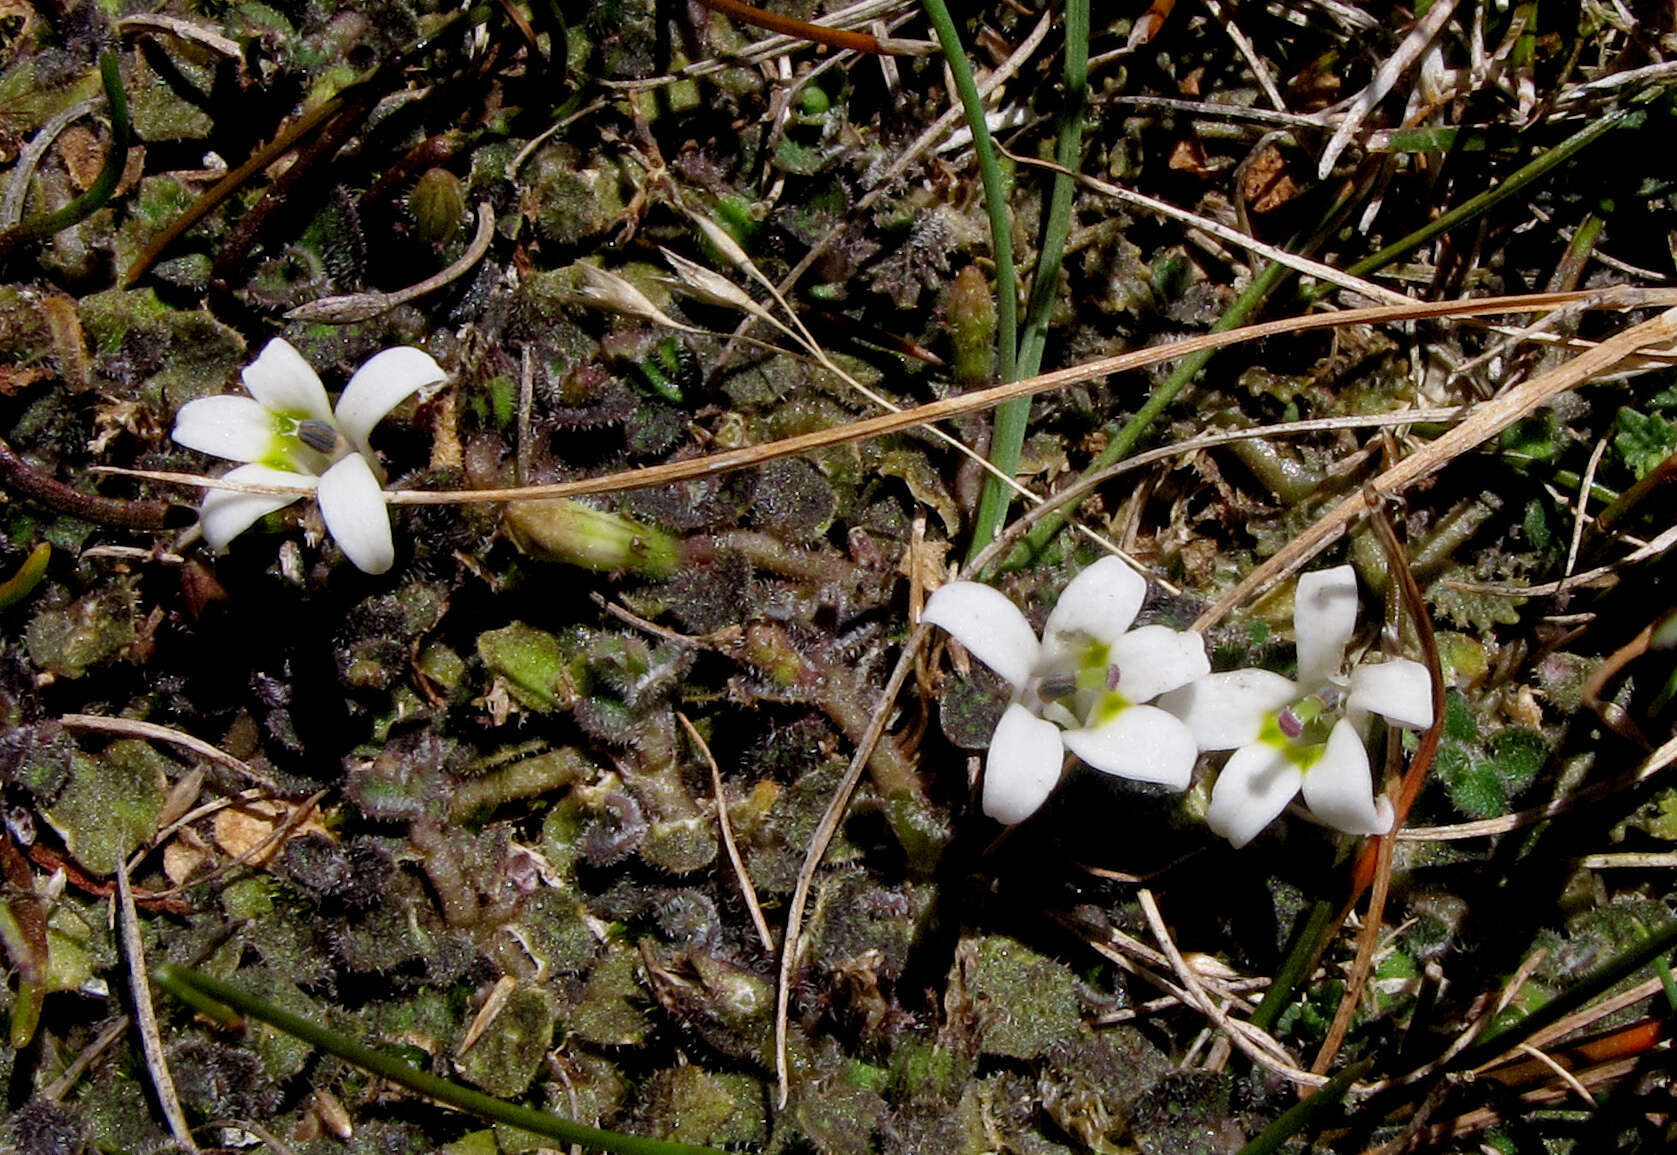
(839, 38)
(25, 480)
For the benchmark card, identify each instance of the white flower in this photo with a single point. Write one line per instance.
(1306, 735)
(290, 436)
(1080, 688)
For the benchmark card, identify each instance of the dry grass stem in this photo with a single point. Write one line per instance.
(152, 732)
(1486, 421)
(747, 891)
(145, 1017)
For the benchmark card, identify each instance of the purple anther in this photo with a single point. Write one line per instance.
(1112, 675)
(1290, 723)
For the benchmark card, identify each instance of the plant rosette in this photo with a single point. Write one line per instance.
(1306, 735)
(1083, 687)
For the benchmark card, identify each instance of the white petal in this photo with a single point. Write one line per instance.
(1256, 784)
(1154, 659)
(384, 382)
(352, 505)
(230, 426)
(1339, 789)
(1143, 743)
(986, 623)
(282, 381)
(1098, 606)
(1397, 689)
(1324, 618)
(1023, 765)
(226, 513)
(1229, 709)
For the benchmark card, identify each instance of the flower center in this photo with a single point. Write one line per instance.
(1085, 696)
(1300, 729)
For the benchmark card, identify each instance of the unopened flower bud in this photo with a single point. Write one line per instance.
(436, 206)
(559, 529)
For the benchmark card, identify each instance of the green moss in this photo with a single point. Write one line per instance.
(110, 806)
(1187, 1113)
(611, 1012)
(506, 1056)
(681, 845)
(79, 945)
(1025, 1003)
(1518, 754)
(248, 898)
(1459, 722)
(556, 931)
(570, 202)
(68, 640)
(690, 1105)
(534, 667)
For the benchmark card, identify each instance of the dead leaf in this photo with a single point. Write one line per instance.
(1265, 183)
(239, 830)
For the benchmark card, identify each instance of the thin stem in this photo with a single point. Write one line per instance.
(1301, 958)
(1516, 183)
(183, 982)
(1068, 150)
(1126, 439)
(1608, 975)
(1045, 281)
(1305, 1111)
(1009, 437)
(97, 193)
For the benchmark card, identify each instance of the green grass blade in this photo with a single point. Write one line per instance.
(192, 987)
(1306, 1111)
(1009, 436)
(99, 192)
(1598, 982)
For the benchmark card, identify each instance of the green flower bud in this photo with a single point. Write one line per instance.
(437, 206)
(971, 310)
(558, 529)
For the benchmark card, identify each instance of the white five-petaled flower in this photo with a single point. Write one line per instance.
(1081, 688)
(289, 434)
(1306, 735)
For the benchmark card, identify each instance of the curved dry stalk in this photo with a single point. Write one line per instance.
(351, 307)
(1299, 264)
(747, 890)
(1487, 419)
(1258, 1045)
(1608, 353)
(151, 731)
(818, 844)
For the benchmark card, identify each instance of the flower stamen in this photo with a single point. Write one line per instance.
(318, 435)
(1053, 687)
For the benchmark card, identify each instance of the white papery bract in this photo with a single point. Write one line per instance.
(288, 434)
(1082, 687)
(1307, 735)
